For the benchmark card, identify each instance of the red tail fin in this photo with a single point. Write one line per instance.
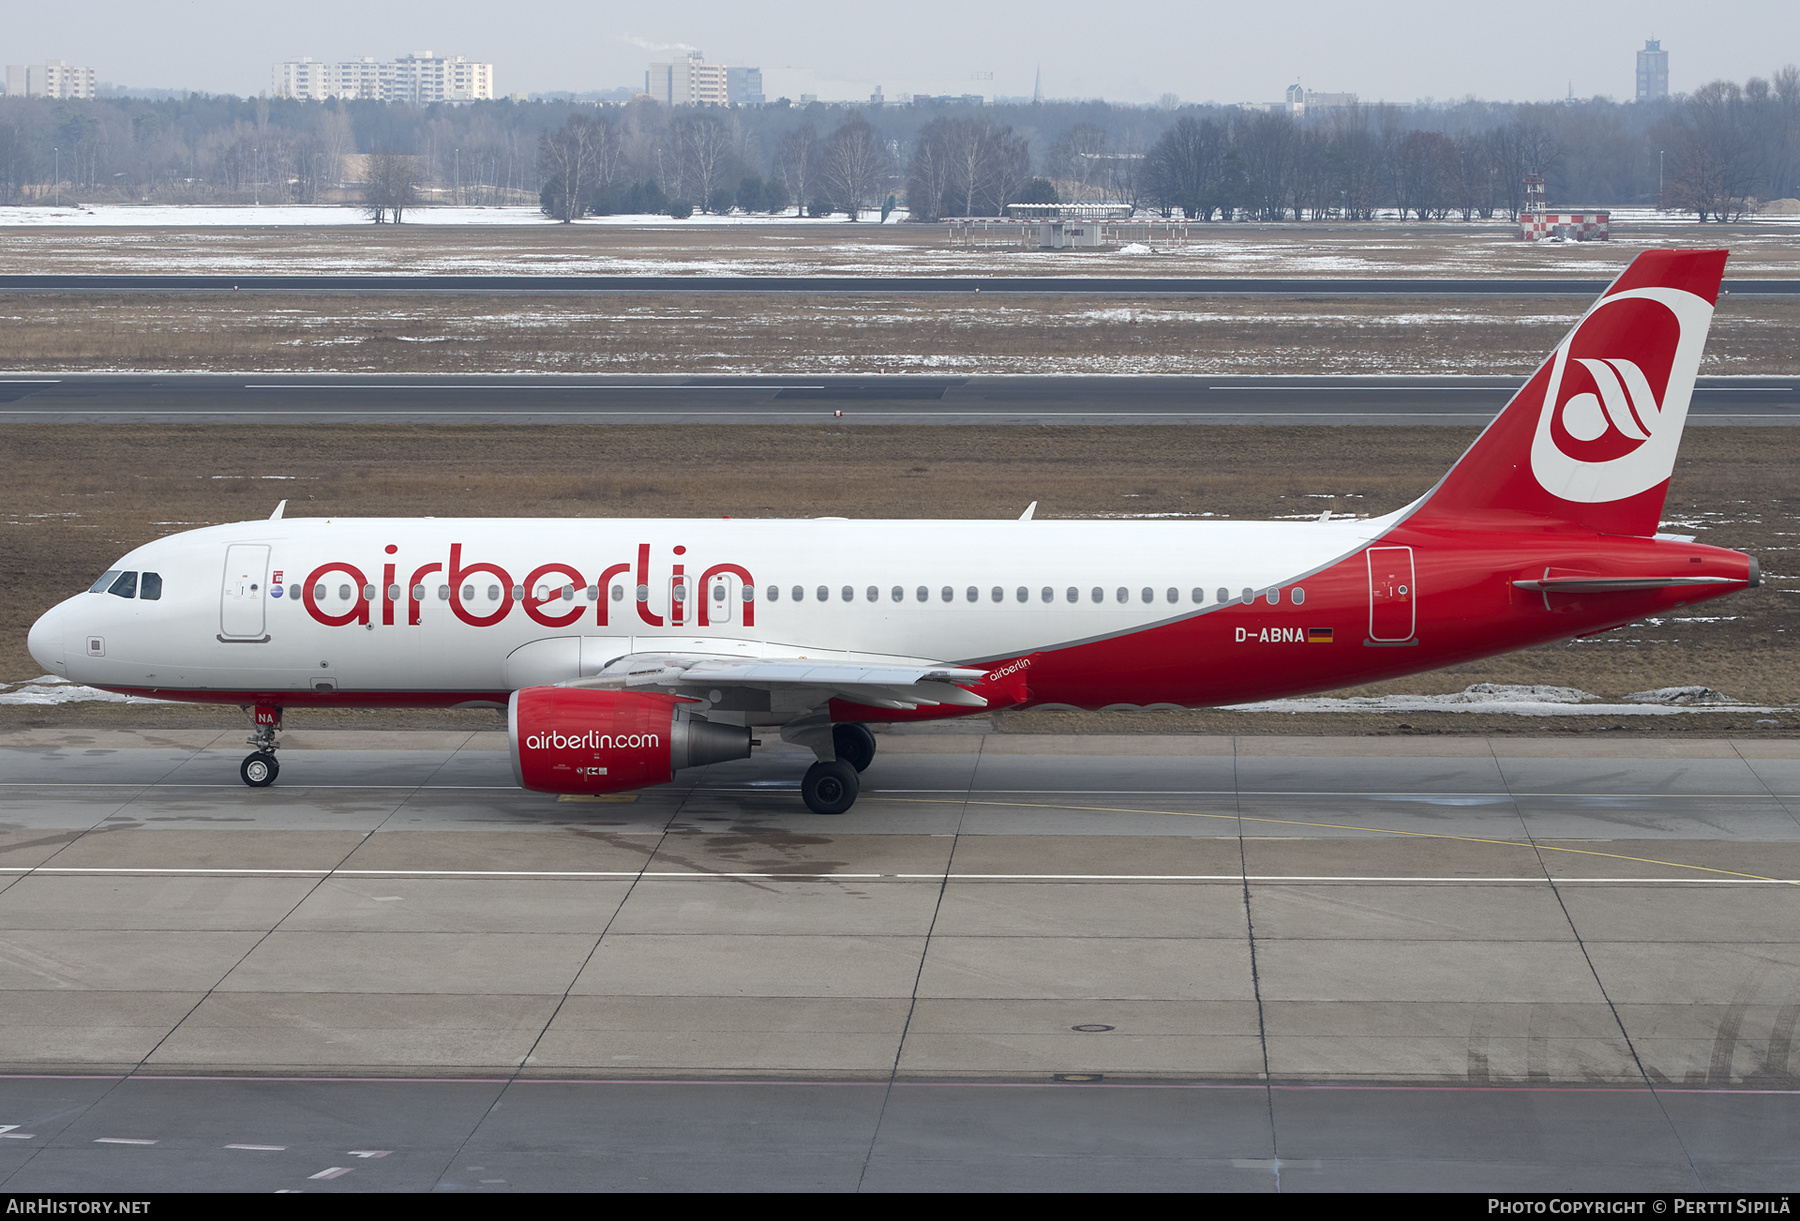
(1591, 439)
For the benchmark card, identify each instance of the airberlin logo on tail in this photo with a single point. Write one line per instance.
(1618, 395)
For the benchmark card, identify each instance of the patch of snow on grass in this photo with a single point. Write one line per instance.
(49, 689)
(1514, 700)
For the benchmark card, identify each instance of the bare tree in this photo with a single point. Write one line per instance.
(856, 164)
(708, 161)
(574, 162)
(1714, 162)
(392, 185)
(797, 163)
(927, 178)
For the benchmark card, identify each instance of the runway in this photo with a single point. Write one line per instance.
(338, 399)
(1020, 961)
(711, 285)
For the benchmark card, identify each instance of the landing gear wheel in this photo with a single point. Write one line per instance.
(259, 770)
(830, 788)
(854, 743)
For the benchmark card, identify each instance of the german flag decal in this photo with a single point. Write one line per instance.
(1318, 635)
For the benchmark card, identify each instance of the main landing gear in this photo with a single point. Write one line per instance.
(259, 768)
(831, 785)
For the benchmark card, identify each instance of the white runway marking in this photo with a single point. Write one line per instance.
(801, 876)
(332, 1172)
(121, 1140)
(260, 1148)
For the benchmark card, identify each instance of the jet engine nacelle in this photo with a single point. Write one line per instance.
(572, 740)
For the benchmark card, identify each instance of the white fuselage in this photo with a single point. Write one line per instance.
(233, 616)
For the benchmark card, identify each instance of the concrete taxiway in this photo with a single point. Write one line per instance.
(1019, 961)
(895, 400)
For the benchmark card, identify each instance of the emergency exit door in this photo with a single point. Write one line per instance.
(1392, 595)
(243, 599)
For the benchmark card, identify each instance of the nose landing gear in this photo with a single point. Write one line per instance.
(259, 768)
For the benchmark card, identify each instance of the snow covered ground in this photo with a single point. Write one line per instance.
(331, 215)
(50, 689)
(1521, 701)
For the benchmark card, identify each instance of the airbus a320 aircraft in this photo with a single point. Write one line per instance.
(627, 650)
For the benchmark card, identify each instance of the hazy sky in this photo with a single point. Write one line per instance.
(1198, 51)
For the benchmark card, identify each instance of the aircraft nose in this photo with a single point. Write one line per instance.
(45, 641)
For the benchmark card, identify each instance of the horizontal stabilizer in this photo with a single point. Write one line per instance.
(1607, 585)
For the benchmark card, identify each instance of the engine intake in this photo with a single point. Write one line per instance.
(574, 740)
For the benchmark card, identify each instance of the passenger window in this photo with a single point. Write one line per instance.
(997, 594)
(824, 594)
(1049, 595)
(418, 593)
(872, 594)
(150, 587)
(948, 594)
(799, 592)
(104, 583)
(774, 594)
(1149, 595)
(1099, 595)
(518, 593)
(897, 594)
(618, 593)
(125, 586)
(318, 593)
(1024, 595)
(443, 593)
(923, 594)
(718, 591)
(593, 593)
(1224, 594)
(1249, 596)
(1123, 594)
(1074, 594)
(972, 594)
(494, 593)
(1199, 595)
(1298, 595)
(343, 593)
(1273, 597)
(847, 594)
(368, 593)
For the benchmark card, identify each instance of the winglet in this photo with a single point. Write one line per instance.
(279, 510)
(1029, 510)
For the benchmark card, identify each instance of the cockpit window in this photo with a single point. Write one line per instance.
(104, 583)
(125, 586)
(150, 586)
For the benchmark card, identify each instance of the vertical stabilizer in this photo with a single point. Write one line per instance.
(1591, 439)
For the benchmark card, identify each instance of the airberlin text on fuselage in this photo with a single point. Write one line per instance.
(540, 593)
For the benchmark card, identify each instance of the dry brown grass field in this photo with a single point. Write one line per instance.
(77, 498)
(801, 335)
(701, 247)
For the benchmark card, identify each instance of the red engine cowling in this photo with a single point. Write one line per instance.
(573, 740)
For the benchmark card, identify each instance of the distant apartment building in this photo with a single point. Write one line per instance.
(420, 78)
(691, 81)
(1652, 72)
(55, 79)
(743, 86)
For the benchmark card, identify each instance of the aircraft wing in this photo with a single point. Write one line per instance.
(881, 686)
